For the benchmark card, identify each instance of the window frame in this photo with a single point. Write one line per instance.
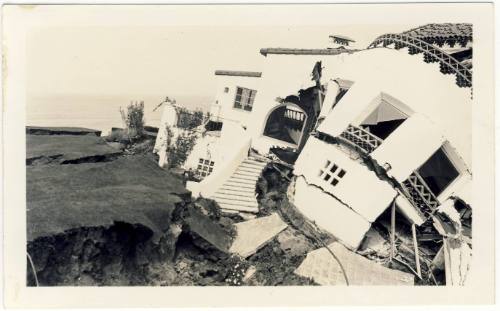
(249, 100)
(460, 166)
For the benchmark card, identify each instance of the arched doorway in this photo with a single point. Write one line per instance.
(286, 123)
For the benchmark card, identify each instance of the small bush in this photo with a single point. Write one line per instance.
(179, 150)
(134, 119)
(189, 120)
(117, 135)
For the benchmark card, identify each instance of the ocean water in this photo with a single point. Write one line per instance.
(99, 112)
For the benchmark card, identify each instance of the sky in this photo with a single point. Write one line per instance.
(171, 60)
(102, 58)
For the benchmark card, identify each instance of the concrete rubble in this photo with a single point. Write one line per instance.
(321, 266)
(253, 234)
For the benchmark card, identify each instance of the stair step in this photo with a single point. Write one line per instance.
(243, 179)
(237, 191)
(236, 185)
(257, 158)
(239, 208)
(254, 163)
(234, 202)
(243, 176)
(246, 173)
(217, 196)
(249, 169)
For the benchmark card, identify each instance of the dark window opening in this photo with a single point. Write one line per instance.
(339, 96)
(383, 129)
(213, 126)
(384, 120)
(438, 172)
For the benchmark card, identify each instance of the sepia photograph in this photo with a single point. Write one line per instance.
(161, 151)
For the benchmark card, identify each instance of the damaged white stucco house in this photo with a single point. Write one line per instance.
(382, 133)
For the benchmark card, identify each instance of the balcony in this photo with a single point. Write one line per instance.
(419, 194)
(361, 139)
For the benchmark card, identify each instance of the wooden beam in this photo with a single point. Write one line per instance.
(393, 229)
(415, 246)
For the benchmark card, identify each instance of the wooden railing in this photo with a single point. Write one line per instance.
(294, 115)
(361, 138)
(416, 190)
(431, 54)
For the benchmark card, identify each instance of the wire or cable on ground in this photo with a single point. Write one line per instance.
(33, 268)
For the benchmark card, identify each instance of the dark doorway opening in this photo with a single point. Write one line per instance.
(286, 123)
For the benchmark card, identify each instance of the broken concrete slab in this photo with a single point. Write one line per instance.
(322, 267)
(208, 229)
(67, 148)
(253, 234)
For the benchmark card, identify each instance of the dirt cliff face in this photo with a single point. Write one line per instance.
(121, 254)
(103, 218)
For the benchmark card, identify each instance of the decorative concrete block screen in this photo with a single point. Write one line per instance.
(331, 173)
(205, 167)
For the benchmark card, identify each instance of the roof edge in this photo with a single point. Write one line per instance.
(235, 73)
(292, 51)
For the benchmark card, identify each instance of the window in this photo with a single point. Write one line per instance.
(438, 172)
(331, 173)
(244, 98)
(384, 120)
(205, 167)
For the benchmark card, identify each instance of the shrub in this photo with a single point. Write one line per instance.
(117, 135)
(179, 150)
(189, 120)
(134, 119)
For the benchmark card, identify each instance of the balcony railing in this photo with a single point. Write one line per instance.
(421, 196)
(361, 138)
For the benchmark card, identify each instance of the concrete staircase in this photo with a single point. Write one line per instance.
(237, 194)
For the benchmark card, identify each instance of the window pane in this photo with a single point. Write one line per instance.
(327, 177)
(438, 172)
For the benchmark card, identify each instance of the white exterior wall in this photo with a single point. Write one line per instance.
(224, 102)
(330, 214)
(359, 188)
